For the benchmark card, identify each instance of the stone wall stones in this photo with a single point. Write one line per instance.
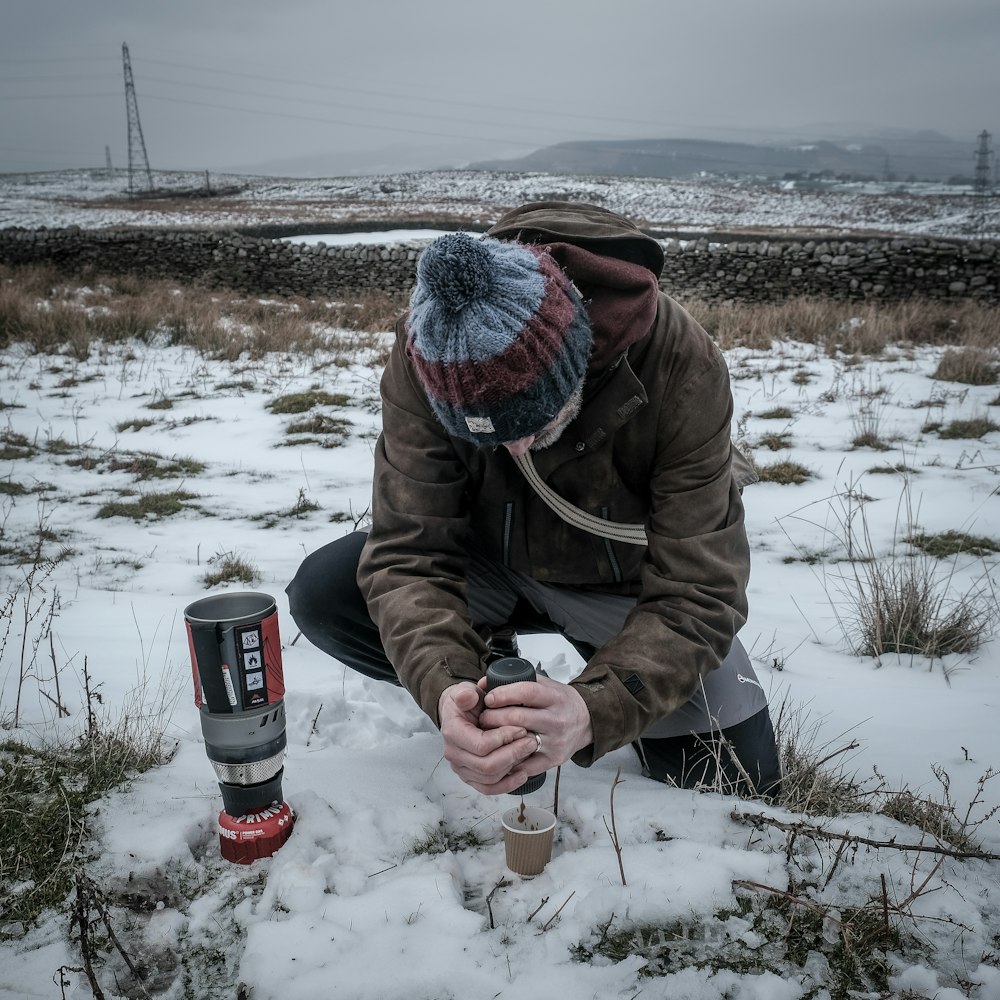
(754, 271)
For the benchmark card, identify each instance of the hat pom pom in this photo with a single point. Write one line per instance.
(456, 271)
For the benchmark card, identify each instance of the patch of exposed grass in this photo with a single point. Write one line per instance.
(14, 446)
(870, 439)
(162, 403)
(45, 792)
(145, 466)
(775, 441)
(973, 428)
(811, 557)
(442, 840)
(86, 462)
(335, 430)
(149, 505)
(136, 424)
(8, 488)
(775, 413)
(302, 506)
(786, 473)
(900, 468)
(856, 959)
(953, 543)
(302, 402)
(242, 386)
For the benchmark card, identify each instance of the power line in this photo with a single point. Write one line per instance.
(413, 96)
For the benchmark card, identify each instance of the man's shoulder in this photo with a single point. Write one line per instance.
(677, 335)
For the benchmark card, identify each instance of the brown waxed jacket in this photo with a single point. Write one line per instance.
(650, 445)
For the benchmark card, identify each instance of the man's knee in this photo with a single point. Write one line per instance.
(325, 584)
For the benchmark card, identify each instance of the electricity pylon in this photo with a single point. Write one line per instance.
(983, 154)
(981, 183)
(137, 159)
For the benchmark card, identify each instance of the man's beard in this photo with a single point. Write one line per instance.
(564, 418)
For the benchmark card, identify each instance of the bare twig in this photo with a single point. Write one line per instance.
(536, 909)
(312, 729)
(758, 819)
(548, 922)
(613, 829)
(784, 894)
(501, 882)
(61, 708)
(81, 917)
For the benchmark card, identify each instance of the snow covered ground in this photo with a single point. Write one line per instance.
(393, 883)
(95, 199)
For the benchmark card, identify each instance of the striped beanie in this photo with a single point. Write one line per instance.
(498, 335)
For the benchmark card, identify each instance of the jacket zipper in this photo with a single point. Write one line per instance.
(508, 521)
(612, 558)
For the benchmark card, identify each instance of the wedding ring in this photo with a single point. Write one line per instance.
(538, 742)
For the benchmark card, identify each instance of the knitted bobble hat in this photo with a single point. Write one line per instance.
(498, 335)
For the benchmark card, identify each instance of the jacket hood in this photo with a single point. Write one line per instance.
(615, 266)
(588, 226)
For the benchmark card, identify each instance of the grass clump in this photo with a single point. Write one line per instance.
(903, 608)
(145, 466)
(230, 567)
(442, 841)
(334, 431)
(973, 428)
(971, 365)
(136, 424)
(785, 473)
(302, 402)
(953, 543)
(775, 441)
(900, 469)
(14, 446)
(775, 413)
(148, 506)
(302, 506)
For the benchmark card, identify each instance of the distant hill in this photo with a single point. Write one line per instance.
(894, 155)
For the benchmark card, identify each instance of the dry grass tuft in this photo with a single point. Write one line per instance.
(971, 365)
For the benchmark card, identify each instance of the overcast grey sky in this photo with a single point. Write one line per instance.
(224, 84)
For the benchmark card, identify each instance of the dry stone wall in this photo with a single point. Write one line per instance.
(758, 271)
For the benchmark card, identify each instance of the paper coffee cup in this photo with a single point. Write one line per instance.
(527, 837)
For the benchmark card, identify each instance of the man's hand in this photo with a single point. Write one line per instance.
(490, 760)
(555, 711)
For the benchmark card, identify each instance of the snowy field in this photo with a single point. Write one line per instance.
(393, 883)
(95, 199)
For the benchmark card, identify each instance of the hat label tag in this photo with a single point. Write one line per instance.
(480, 425)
